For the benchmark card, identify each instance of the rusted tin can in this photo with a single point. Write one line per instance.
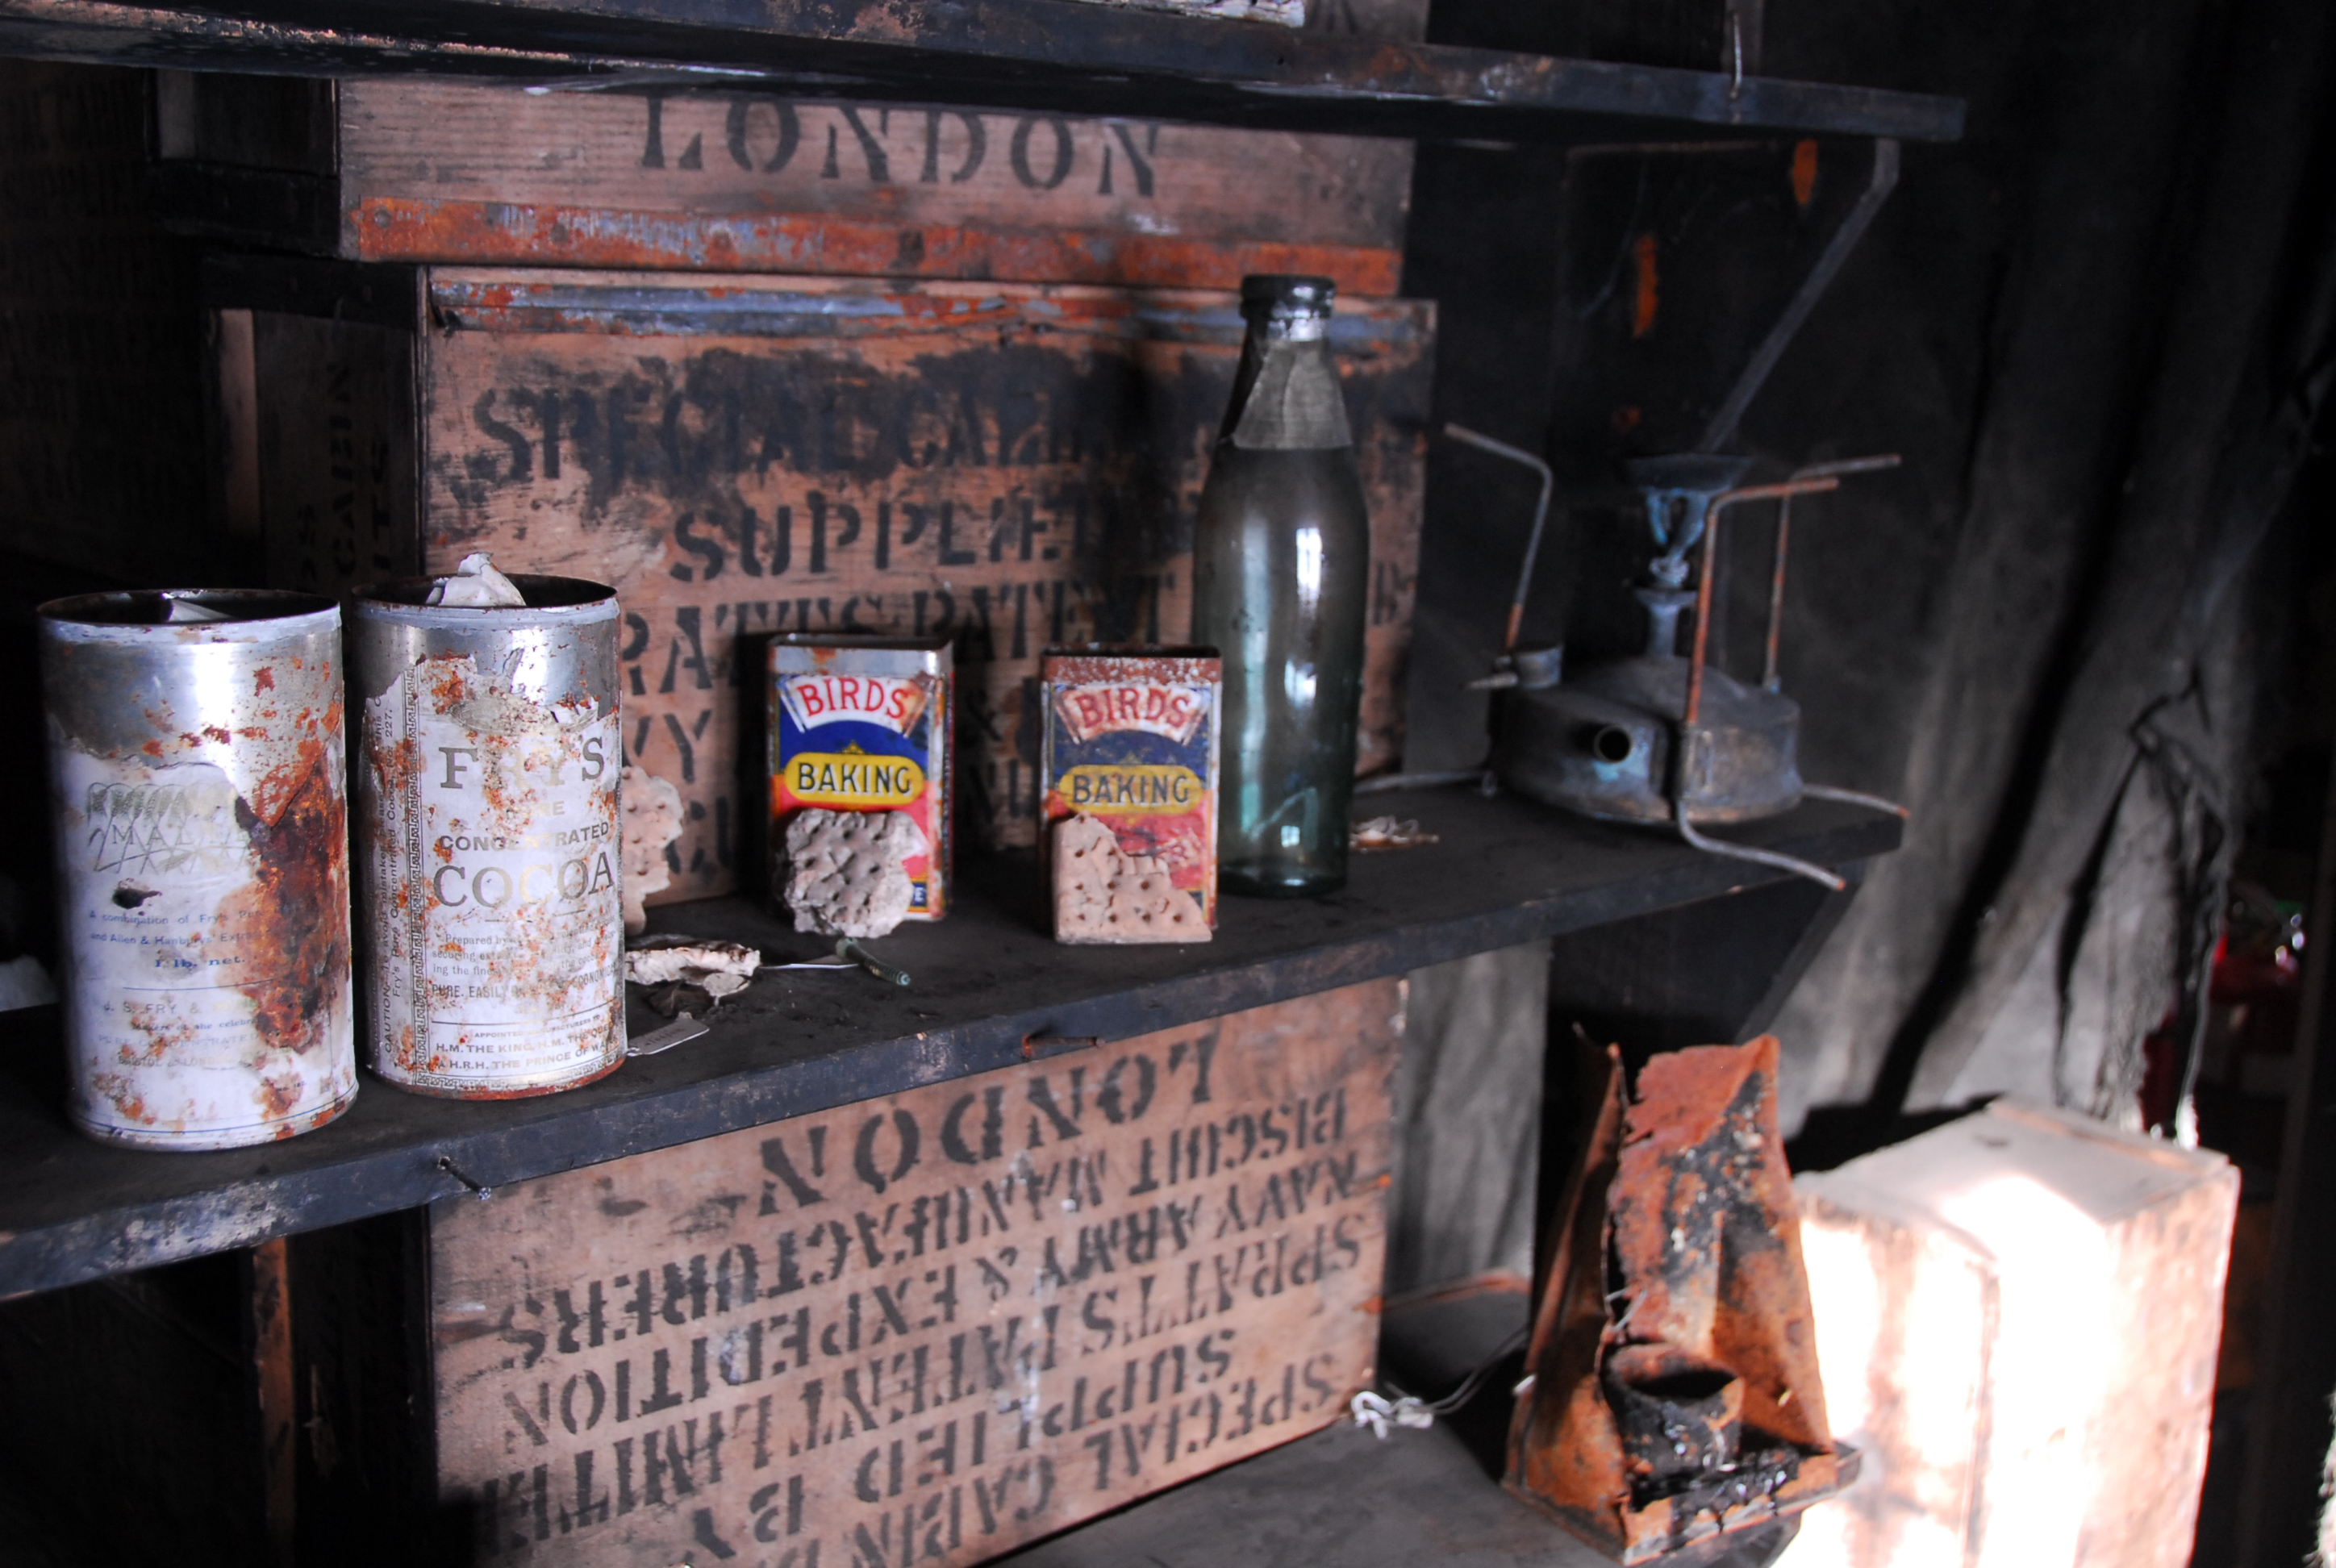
(487, 838)
(198, 781)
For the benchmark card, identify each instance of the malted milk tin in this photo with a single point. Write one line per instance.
(199, 783)
(487, 838)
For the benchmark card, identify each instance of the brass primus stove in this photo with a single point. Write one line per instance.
(1661, 737)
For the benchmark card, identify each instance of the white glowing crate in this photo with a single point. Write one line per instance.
(2017, 1316)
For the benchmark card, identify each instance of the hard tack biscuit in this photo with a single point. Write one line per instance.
(651, 810)
(845, 876)
(1103, 894)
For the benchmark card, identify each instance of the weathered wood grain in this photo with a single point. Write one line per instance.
(332, 460)
(1085, 59)
(930, 1328)
(100, 410)
(1013, 466)
(430, 171)
(1504, 872)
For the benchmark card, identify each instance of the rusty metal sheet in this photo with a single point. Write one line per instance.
(1009, 466)
(448, 172)
(928, 1328)
(1675, 1394)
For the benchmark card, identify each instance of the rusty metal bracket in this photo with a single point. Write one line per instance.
(1703, 589)
(1818, 479)
(1039, 1045)
(1533, 541)
(1730, 412)
(1841, 469)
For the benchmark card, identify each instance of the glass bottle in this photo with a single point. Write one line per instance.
(1280, 572)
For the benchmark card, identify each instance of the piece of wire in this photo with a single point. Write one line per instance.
(1855, 798)
(1376, 1411)
(1420, 781)
(1711, 846)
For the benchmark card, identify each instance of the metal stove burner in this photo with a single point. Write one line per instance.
(1664, 736)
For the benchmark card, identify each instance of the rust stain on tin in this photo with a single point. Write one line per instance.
(299, 882)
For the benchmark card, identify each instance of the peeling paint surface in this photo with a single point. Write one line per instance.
(394, 229)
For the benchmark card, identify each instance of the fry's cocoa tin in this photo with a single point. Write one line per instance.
(486, 835)
(198, 787)
(863, 723)
(1131, 742)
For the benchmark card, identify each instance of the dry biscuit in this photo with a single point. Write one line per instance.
(1103, 894)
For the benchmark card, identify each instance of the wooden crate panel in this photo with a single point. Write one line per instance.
(333, 444)
(929, 1329)
(448, 171)
(102, 408)
(1013, 466)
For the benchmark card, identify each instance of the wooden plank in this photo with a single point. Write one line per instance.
(100, 422)
(334, 442)
(1505, 872)
(930, 1328)
(274, 1383)
(243, 122)
(1011, 465)
(133, 1420)
(752, 181)
(1346, 1497)
(1060, 59)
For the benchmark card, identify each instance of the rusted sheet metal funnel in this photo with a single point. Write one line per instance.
(1674, 1396)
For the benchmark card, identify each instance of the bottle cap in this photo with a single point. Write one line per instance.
(1287, 294)
(1287, 305)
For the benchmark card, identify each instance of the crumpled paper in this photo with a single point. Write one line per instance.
(475, 584)
(1388, 833)
(683, 973)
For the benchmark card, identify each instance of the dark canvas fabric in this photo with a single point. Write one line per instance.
(2097, 329)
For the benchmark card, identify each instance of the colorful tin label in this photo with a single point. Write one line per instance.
(1132, 741)
(862, 725)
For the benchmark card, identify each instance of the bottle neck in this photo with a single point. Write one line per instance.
(1286, 393)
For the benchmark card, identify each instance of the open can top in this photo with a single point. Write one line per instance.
(139, 616)
(550, 601)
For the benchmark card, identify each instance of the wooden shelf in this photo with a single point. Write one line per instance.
(986, 979)
(1048, 55)
(1345, 1496)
